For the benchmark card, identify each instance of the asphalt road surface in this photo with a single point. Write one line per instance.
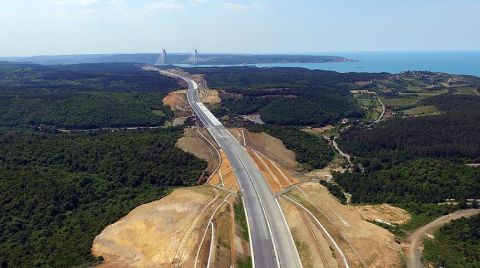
(270, 238)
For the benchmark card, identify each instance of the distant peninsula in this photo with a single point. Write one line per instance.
(179, 58)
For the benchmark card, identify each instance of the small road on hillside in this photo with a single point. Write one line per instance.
(337, 148)
(415, 240)
(383, 109)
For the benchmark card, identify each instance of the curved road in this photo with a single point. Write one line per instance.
(271, 242)
(383, 110)
(415, 240)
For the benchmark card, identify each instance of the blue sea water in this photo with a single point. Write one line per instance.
(454, 62)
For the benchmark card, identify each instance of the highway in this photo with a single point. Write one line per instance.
(271, 242)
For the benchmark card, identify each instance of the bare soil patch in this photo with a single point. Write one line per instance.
(271, 147)
(177, 100)
(225, 175)
(159, 233)
(324, 173)
(209, 96)
(313, 248)
(384, 212)
(277, 178)
(197, 145)
(318, 130)
(363, 243)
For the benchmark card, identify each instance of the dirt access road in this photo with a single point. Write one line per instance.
(414, 242)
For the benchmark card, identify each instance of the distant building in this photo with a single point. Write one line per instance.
(345, 121)
(362, 91)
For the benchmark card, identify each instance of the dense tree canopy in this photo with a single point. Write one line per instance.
(456, 244)
(82, 96)
(421, 180)
(453, 134)
(85, 110)
(417, 159)
(286, 96)
(58, 191)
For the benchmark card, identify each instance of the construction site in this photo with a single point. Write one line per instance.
(206, 225)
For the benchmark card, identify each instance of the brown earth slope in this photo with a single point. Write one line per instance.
(198, 142)
(363, 243)
(157, 234)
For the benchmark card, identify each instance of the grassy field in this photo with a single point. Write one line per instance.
(466, 90)
(371, 106)
(421, 111)
(401, 101)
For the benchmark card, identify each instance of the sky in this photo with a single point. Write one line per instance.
(56, 27)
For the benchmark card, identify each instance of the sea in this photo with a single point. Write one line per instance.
(453, 62)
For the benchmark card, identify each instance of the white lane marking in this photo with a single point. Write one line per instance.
(269, 170)
(289, 232)
(243, 135)
(219, 156)
(209, 114)
(210, 222)
(344, 259)
(259, 200)
(212, 243)
(276, 167)
(249, 234)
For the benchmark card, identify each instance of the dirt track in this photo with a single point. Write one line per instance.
(414, 242)
(364, 244)
(271, 147)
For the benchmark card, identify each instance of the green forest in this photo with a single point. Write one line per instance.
(285, 96)
(85, 110)
(60, 190)
(417, 159)
(82, 96)
(456, 244)
(422, 180)
(23, 79)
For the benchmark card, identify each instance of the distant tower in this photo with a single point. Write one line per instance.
(165, 61)
(195, 61)
(162, 59)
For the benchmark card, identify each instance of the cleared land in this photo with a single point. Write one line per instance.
(269, 146)
(190, 226)
(384, 212)
(198, 142)
(363, 243)
(177, 101)
(224, 176)
(318, 130)
(277, 177)
(158, 234)
(209, 96)
(421, 111)
(314, 249)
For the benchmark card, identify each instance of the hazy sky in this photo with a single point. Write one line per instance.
(32, 27)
